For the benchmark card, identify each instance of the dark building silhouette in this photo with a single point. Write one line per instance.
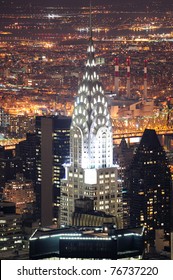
(10, 165)
(123, 156)
(150, 187)
(26, 151)
(52, 151)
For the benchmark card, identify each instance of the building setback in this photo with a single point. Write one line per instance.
(84, 214)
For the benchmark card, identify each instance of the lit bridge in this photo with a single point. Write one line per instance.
(134, 127)
(138, 133)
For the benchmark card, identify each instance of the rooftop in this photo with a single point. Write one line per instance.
(103, 231)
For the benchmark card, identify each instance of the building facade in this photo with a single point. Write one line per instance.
(11, 233)
(4, 120)
(21, 192)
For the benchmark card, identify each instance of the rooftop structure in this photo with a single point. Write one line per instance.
(87, 242)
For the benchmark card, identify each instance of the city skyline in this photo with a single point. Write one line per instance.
(113, 95)
(84, 2)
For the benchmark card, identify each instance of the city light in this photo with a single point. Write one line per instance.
(86, 116)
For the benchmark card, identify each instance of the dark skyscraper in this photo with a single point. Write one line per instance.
(123, 156)
(51, 153)
(150, 187)
(26, 150)
(10, 164)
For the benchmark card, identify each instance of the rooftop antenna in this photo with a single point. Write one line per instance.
(90, 21)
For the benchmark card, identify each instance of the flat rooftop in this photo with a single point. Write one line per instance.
(89, 231)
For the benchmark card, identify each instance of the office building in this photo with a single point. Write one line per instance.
(21, 192)
(19, 125)
(10, 165)
(52, 151)
(26, 150)
(11, 235)
(150, 188)
(123, 154)
(4, 120)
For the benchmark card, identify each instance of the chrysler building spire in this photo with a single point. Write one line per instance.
(90, 26)
(91, 172)
(91, 130)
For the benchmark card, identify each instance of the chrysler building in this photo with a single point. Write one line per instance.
(91, 172)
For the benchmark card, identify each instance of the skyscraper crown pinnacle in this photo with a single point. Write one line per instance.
(91, 116)
(90, 22)
(91, 146)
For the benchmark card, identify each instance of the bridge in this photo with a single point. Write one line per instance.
(134, 127)
(137, 133)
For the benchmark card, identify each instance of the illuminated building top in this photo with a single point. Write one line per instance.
(91, 172)
(91, 129)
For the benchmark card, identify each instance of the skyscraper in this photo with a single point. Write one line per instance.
(91, 172)
(150, 187)
(124, 155)
(10, 164)
(26, 150)
(52, 151)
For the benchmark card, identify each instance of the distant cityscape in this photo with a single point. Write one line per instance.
(86, 130)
